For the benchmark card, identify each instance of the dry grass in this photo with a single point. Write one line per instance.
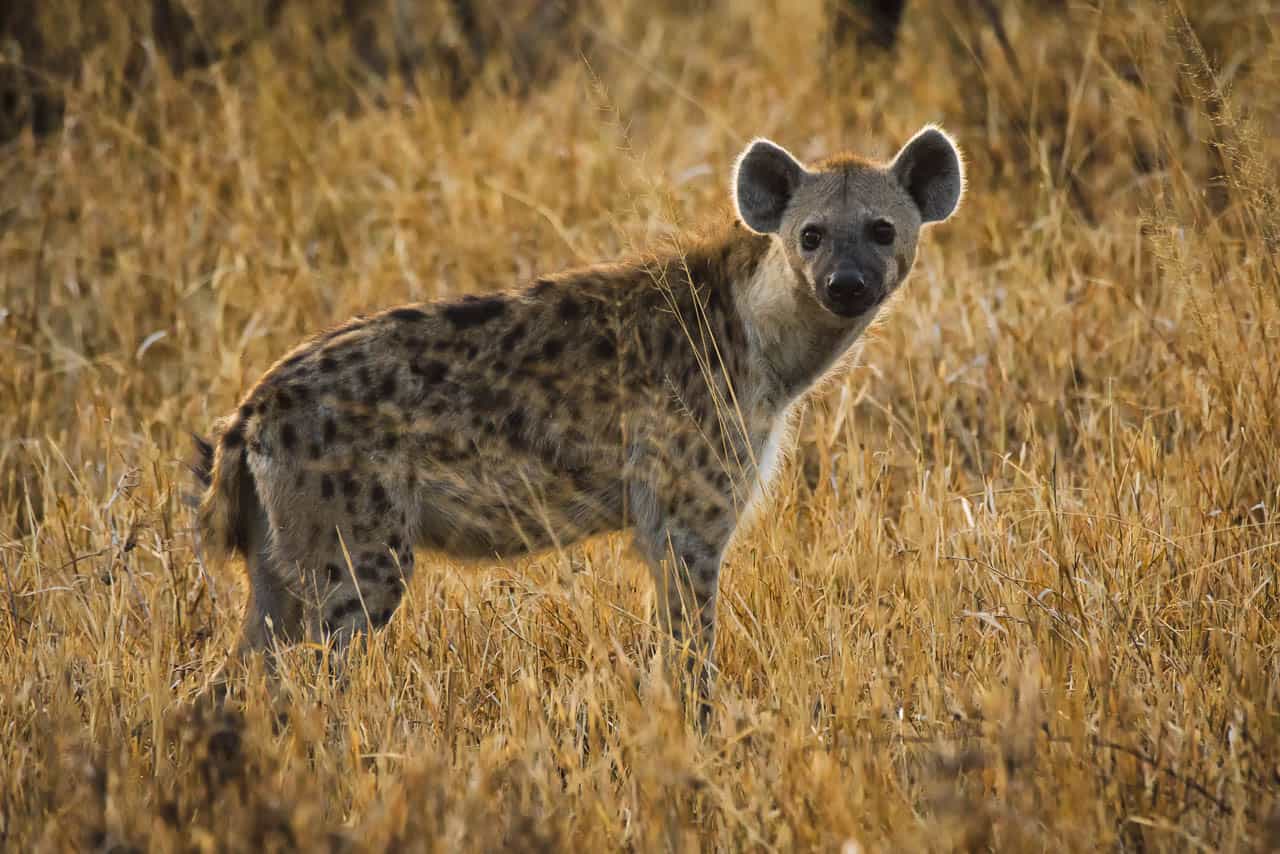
(1018, 588)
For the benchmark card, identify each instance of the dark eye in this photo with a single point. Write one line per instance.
(882, 232)
(810, 238)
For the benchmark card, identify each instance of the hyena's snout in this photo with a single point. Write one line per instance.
(850, 291)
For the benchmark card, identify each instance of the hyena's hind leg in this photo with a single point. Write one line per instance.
(276, 611)
(360, 571)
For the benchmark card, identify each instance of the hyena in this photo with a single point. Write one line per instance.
(652, 395)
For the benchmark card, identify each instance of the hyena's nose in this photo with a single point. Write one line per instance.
(848, 293)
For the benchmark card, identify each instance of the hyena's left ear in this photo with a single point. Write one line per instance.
(765, 178)
(931, 170)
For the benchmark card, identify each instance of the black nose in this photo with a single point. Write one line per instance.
(846, 287)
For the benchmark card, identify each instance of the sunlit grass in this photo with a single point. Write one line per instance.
(1016, 589)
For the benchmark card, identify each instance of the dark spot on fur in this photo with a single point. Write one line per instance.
(366, 378)
(384, 560)
(283, 400)
(333, 572)
(351, 507)
(514, 428)
(389, 441)
(540, 287)
(288, 436)
(379, 497)
(569, 309)
(388, 388)
(247, 410)
(394, 542)
(668, 342)
(330, 431)
(234, 437)
(328, 365)
(604, 348)
(344, 610)
(552, 348)
(381, 619)
(473, 311)
(326, 486)
(472, 351)
(300, 479)
(702, 456)
(512, 336)
(408, 314)
(313, 450)
(367, 572)
(350, 486)
(430, 370)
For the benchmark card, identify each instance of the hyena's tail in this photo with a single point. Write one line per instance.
(228, 493)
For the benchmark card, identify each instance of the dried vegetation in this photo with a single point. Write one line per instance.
(1018, 587)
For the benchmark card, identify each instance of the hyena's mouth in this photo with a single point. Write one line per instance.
(856, 305)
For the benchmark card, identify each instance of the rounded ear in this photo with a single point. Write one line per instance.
(931, 170)
(765, 177)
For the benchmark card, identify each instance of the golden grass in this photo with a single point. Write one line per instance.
(1018, 586)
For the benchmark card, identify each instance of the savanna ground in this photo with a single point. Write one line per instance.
(1016, 590)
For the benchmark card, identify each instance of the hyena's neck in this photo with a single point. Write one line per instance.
(791, 341)
(771, 337)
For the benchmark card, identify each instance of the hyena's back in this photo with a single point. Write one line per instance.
(457, 418)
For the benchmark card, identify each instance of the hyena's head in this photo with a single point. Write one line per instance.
(849, 227)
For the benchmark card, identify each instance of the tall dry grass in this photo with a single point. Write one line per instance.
(1017, 589)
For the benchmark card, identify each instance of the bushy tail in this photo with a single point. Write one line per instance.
(222, 471)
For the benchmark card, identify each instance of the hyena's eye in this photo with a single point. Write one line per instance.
(810, 238)
(882, 232)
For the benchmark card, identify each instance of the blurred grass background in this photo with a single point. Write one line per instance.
(1017, 590)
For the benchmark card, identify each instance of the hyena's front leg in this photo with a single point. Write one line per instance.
(685, 565)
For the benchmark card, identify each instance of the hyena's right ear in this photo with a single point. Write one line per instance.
(764, 179)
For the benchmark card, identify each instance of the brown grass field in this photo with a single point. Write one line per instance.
(1017, 587)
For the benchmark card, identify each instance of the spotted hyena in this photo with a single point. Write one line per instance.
(652, 395)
